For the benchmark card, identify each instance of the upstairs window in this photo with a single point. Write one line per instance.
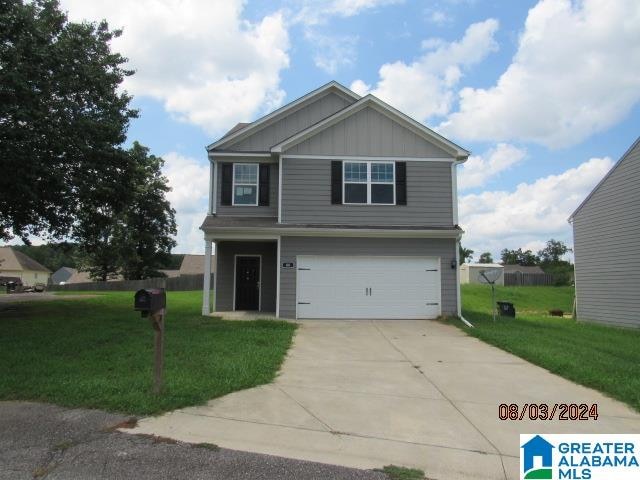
(245, 184)
(369, 183)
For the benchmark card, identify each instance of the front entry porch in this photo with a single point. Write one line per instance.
(246, 277)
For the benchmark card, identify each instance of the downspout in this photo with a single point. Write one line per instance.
(454, 184)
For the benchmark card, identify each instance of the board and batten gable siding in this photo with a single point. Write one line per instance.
(225, 253)
(291, 247)
(606, 234)
(270, 210)
(369, 133)
(306, 196)
(264, 139)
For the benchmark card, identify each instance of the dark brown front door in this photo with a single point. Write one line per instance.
(247, 283)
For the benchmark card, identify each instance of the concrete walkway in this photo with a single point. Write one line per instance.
(413, 393)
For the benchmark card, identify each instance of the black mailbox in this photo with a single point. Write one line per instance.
(149, 300)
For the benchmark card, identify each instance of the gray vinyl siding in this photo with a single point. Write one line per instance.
(290, 247)
(293, 123)
(368, 132)
(607, 248)
(306, 196)
(249, 211)
(224, 288)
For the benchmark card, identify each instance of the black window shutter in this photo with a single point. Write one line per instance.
(263, 195)
(227, 183)
(401, 183)
(336, 182)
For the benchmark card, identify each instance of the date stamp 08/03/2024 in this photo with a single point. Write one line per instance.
(545, 411)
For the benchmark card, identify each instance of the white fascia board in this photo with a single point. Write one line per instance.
(333, 85)
(239, 156)
(373, 159)
(273, 234)
(371, 101)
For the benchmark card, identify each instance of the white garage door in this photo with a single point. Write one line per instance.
(368, 287)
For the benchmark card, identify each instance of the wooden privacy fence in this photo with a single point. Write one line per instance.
(184, 282)
(528, 279)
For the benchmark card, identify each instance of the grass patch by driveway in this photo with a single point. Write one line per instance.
(597, 356)
(97, 352)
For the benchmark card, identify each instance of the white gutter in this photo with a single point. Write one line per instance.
(466, 322)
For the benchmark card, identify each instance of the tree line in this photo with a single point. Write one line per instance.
(64, 118)
(550, 259)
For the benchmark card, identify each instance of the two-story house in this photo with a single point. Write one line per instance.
(334, 206)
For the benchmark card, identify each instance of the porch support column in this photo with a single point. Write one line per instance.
(459, 306)
(206, 288)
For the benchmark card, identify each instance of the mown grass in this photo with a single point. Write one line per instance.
(597, 356)
(97, 352)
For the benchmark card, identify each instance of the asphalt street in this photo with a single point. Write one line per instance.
(46, 441)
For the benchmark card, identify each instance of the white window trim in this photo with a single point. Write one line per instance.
(369, 182)
(233, 185)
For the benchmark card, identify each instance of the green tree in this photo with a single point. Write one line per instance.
(466, 254)
(134, 239)
(553, 252)
(62, 117)
(148, 224)
(52, 255)
(551, 262)
(519, 257)
(485, 258)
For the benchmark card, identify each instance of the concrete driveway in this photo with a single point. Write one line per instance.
(413, 393)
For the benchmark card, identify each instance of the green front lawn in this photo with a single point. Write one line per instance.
(601, 357)
(97, 352)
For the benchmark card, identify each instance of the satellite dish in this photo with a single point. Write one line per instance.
(489, 275)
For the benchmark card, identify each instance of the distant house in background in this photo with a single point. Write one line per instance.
(68, 275)
(62, 275)
(170, 273)
(17, 265)
(194, 265)
(523, 269)
(606, 237)
(470, 272)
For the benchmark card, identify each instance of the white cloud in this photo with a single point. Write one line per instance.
(332, 52)
(360, 87)
(201, 58)
(575, 73)
(189, 181)
(533, 213)
(425, 87)
(478, 169)
(313, 12)
(437, 17)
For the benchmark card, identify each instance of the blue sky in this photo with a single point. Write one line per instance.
(545, 94)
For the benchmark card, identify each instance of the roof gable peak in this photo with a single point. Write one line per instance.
(235, 134)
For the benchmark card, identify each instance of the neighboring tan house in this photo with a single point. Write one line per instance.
(606, 236)
(17, 265)
(194, 265)
(171, 273)
(470, 272)
(334, 206)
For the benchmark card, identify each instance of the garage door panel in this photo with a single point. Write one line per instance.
(368, 287)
